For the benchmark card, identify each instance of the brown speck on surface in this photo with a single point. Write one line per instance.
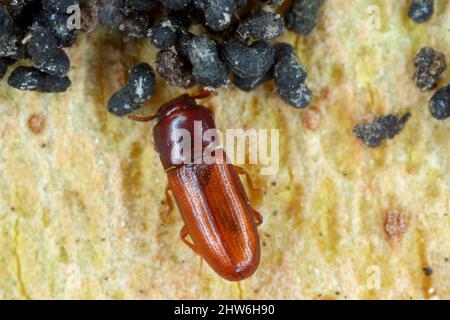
(312, 119)
(395, 225)
(36, 123)
(427, 271)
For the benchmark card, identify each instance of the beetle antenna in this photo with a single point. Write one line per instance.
(202, 94)
(141, 119)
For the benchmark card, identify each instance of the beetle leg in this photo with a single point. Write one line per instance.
(258, 218)
(169, 199)
(183, 234)
(242, 171)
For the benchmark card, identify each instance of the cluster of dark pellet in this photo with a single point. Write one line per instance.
(37, 30)
(430, 64)
(235, 43)
(373, 133)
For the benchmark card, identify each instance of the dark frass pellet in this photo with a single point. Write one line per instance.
(9, 46)
(141, 82)
(261, 25)
(282, 50)
(110, 13)
(182, 43)
(273, 3)
(29, 78)
(164, 34)
(121, 103)
(299, 97)
(207, 67)
(249, 84)
(289, 73)
(175, 4)
(141, 5)
(427, 271)
(249, 61)
(440, 103)
(387, 127)
(57, 24)
(6, 20)
(218, 14)
(135, 24)
(3, 67)
(421, 11)
(8, 41)
(59, 5)
(171, 67)
(45, 53)
(302, 16)
(430, 64)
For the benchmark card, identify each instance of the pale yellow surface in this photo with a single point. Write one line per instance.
(82, 212)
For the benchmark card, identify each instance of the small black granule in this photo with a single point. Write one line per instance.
(182, 43)
(110, 12)
(6, 20)
(273, 3)
(430, 64)
(261, 25)
(440, 103)
(208, 70)
(386, 127)
(45, 52)
(141, 5)
(421, 11)
(16, 7)
(218, 13)
(427, 271)
(9, 45)
(302, 16)
(289, 73)
(135, 24)
(59, 5)
(57, 23)
(200, 4)
(249, 84)
(8, 41)
(299, 97)
(29, 78)
(175, 4)
(3, 67)
(121, 103)
(141, 82)
(164, 34)
(170, 67)
(282, 50)
(249, 61)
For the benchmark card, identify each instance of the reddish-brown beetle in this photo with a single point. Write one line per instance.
(212, 201)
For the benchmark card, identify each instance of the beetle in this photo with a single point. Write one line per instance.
(213, 203)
